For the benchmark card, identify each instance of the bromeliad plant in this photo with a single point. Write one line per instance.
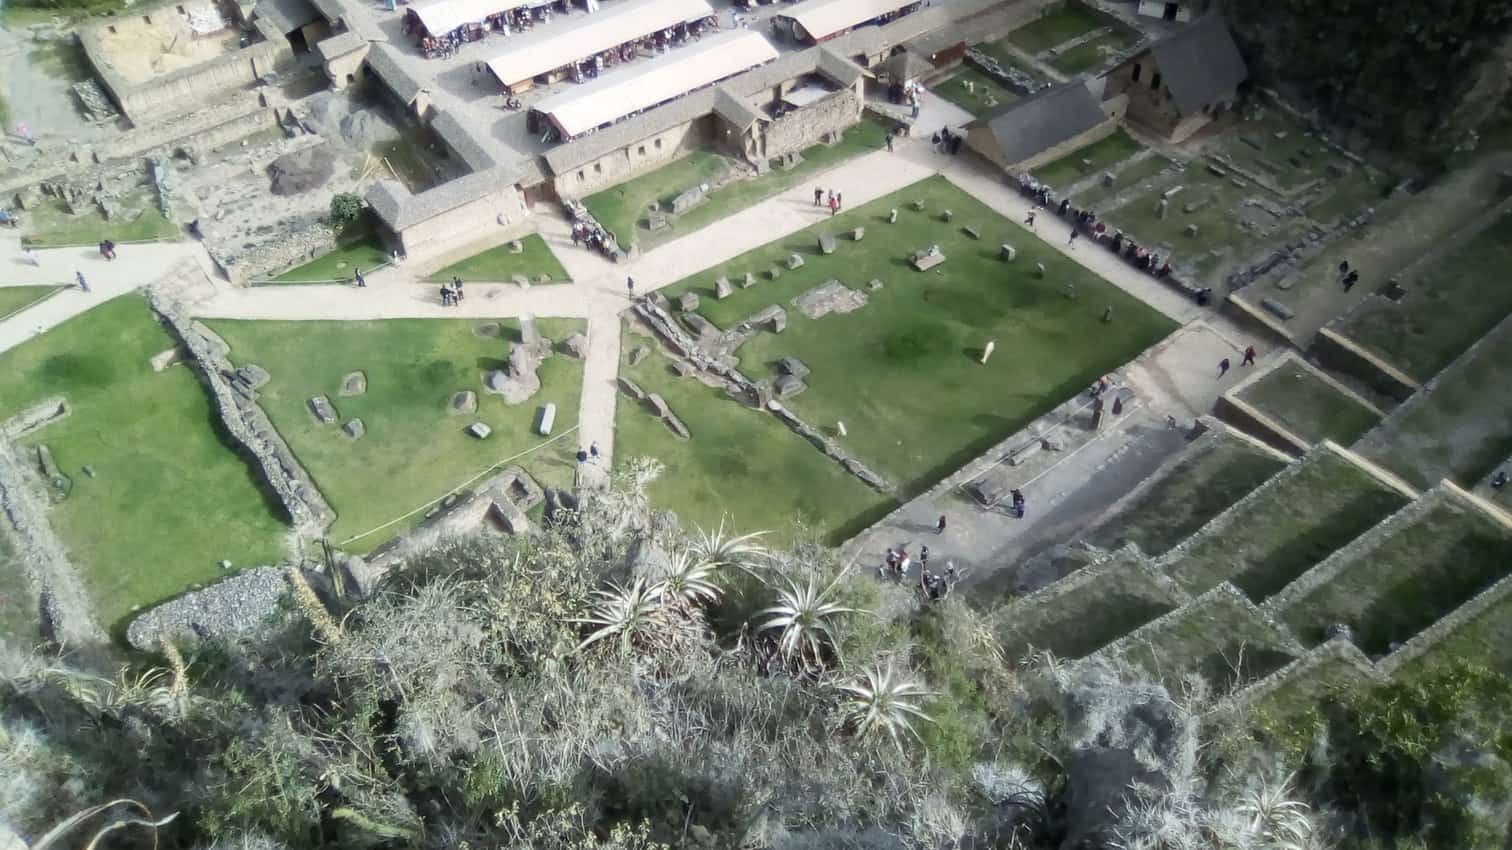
(804, 620)
(883, 701)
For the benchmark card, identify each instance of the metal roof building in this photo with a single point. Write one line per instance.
(538, 53)
(687, 69)
(821, 19)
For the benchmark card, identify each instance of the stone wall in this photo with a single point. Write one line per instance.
(1054, 152)
(243, 418)
(808, 126)
(1240, 414)
(497, 216)
(633, 159)
(272, 257)
(1426, 640)
(1340, 354)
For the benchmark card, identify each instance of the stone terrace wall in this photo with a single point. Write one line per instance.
(1428, 639)
(807, 126)
(1338, 649)
(247, 424)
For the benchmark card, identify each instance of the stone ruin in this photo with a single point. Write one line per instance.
(831, 297)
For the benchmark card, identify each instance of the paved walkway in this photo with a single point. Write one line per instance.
(598, 292)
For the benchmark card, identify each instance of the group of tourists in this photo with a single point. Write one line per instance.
(946, 141)
(593, 236)
(897, 564)
(1348, 276)
(451, 293)
(835, 200)
(107, 249)
(1084, 222)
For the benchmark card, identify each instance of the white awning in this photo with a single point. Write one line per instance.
(443, 16)
(806, 95)
(547, 49)
(821, 19)
(685, 69)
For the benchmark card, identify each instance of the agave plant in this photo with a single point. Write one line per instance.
(54, 837)
(688, 579)
(805, 618)
(722, 550)
(883, 700)
(1272, 819)
(634, 614)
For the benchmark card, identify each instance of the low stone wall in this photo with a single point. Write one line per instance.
(245, 421)
(234, 607)
(1341, 354)
(1425, 641)
(1338, 649)
(809, 126)
(1240, 414)
(272, 258)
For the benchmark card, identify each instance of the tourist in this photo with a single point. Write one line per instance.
(903, 560)
(593, 452)
(889, 143)
(1018, 502)
(29, 256)
(890, 562)
(630, 284)
(1343, 267)
(818, 196)
(1223, 367)
(456, 290)
(1499, 480)
(582, 456)
(1204, 295)
(357, 276)
(446, 295)
(940, 526)
(1065, 206)
(1350, 280)
(924, 557)
(834, 206)
(1071, 243)
(577, 234)
(934, 140)
(839, 200)
(1249, 357)
(104, 252)
(83, 284)
(1029, 220)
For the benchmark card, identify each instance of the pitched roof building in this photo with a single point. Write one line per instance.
(1182, 81)
(1040, 127)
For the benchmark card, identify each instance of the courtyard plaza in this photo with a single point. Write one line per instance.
(1177, 379)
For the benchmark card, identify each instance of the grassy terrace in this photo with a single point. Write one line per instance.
(501, 264)
(622, 209)
(1057, 26)
(18, 607)
(1293, 160)
(1451, 305)
(1087, 161)
(17, 298)
(1462, 430)
(1485, 638)
(169, 498)
(1091, 54)
(1000, 51)
(1295, 524)
(1101, 606)
(1218, 637)
(414, 449)
(740, 462)
(985, 94)
(359, 247)
(51, 225)
(902, 372)
(1422, 572)
(1125, 176)
(1204, 483)
(1302, 689)
(1308, 406)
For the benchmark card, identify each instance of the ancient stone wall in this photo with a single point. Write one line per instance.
(273, 257)
(497, 216)
(1340, 354)
(639, 156)
(808, 126)
(1426, 640)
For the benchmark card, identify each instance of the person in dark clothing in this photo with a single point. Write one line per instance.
(1065, 205)
(357, 276)
(818, 196)
(1499, 480)
(1223, 367)
(630, 283)
(1350, 280)
(1018, 503)
(1249, 357)
(940, 526)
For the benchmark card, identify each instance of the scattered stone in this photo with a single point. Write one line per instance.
(489, 330)
(324, 412)
(1276, 308)
(792, 366)
(831, 297)
(723, 289)
(700, 326)
(794, 262)
(946, 216)
(1191, 230)
(521, 281)
(919, 205)
(496, 380)
(631, 389)
(543, 279)
(238, 606)
(1239, 184)
(1007, 253)
(1194, 206)
(892, 216)
(87, 470)
(688, 302)
(252, 376)
(677, 427)
(657, 221)
(303, 170)
(479, 430)
(163, 359)
(774, 272)
(683, 368)
(1039, 270)
(576, 345)
(1216, 171)
(1172, 192)
(658, 405)
(463, 401)
(926, 260)
(689, 199)
(355, 383)
(1108, 179)
(787, 386)
(1161, 208)
(639, 353)
(354, 429)
(748, 281)
(546, 419)
(858, 234)
(971, 231)
(826, 243)
(772, 314)
(779, 322)
(873, 285)
(516, 247)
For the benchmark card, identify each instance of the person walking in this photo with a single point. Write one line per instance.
(1223, 367)
(446, 295)
(29, 256)
(818, 196)
(1249, 357)
(889, 142)
(839, 200)
(357, 276)
(630, 285)
(834, 206)
(1029, 220)
(593, 452)
(940, 526)
(1074, 233)
(83, 284)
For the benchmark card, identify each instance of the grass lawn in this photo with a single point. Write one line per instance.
(50, 225)
(1462, 430)
(1302, 688)
(902, 372)
(1295, 158)
(1211, 477)
(623, 208)
(501, 264)
(16, 298)
(358, 248)
(18, 606)
(1309, 406)
(1455, 302)
(414, 449)
(1421, 572)
(1218, 637)
(1089, 55)
(1485, 638)
(1055, 26)
(1000, 50)
(1084, 612)
(985, 95)
(1099, 156)
(169, 498)
(740, 463)
(1296, 523)
(1126, 175)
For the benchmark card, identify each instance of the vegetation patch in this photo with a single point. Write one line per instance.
(1090, 55)
(902, 372)
(168, 497)
(1209, 479)
(1218, 638)
(1296, 523)
(49, 224)
(1089, 160)
(1422, 572)
(1055, 26)
(1096, 609)
(741, 464)
(1126, 176)
(413, 449)
(501, 263)
(1308, 406)
(974, 91)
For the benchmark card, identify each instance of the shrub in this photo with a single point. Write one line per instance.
(345, 209)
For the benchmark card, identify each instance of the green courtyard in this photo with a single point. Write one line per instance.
(414, 450)
(902, 372)
(358, 247)
(1057, 25)
(740, 465)
(164, 497)
(16, 298)
(974, 91)
(1089, 160)
(51, 224)
(622, 210)
(501, 263)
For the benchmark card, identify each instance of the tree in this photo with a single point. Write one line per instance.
(345, 209)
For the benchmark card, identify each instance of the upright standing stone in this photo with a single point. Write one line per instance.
(748, 281)
(826, 243)
(1007, 253)
(946, 216)
(1039, 270)
(723, 289)
(688, 302)
(892, 216)
(1191, 230)
(1160, 208)
(858, 234)
(530, 336)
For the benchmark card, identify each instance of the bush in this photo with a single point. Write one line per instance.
(345, 209)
